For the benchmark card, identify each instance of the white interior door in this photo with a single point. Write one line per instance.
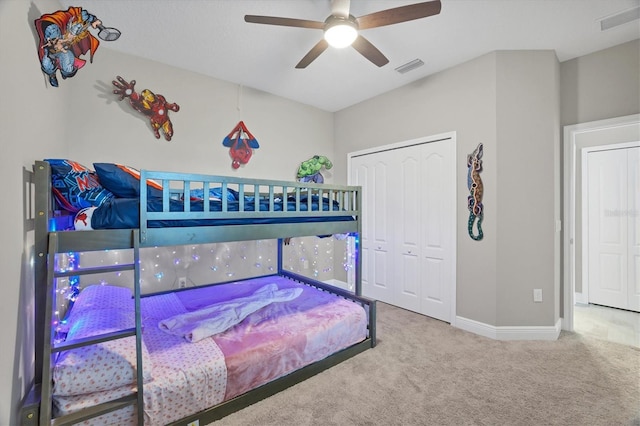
(613, 241)
(407, 237)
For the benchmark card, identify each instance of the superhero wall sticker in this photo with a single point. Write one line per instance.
(241, 143)
(64, 37)
(309, 170)
(154, 107)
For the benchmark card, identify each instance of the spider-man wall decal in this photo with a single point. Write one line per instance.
(240, 142)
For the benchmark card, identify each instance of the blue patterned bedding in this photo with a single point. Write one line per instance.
(124, 213)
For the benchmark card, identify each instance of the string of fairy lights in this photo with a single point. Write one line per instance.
(162, 267)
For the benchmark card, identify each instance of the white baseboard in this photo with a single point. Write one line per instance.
(580, 298)
(510, 332)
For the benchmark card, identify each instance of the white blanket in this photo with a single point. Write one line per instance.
(213, 319)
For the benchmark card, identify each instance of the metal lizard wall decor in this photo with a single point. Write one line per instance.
(476, 189)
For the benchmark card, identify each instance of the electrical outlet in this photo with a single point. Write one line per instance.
(537, 295)
(182, 282)
(305, 264)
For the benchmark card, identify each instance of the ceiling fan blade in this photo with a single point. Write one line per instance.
(285, 22)
(369, 51)
(315, 51)
(399, 14)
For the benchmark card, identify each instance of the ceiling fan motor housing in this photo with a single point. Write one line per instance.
(340, 31)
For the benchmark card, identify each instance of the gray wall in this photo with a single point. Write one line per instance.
(508, 101)
(603, 84)
(105, 129)
(33, 125)
(528, 187)
(461, 99)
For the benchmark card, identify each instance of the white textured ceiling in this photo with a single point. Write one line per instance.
(211, 37)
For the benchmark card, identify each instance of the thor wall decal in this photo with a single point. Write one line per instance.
(153, 106)
(64, 37)
(474, 200)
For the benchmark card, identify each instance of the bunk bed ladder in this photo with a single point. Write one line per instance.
(51, 350)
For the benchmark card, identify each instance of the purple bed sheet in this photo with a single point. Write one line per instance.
(269, 343)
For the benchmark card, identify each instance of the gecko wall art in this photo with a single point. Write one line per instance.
(476, 189)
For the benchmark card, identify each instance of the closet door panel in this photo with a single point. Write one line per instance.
(434, 199)
(435, 229)
(382, 288)
(360, 175)
(407, 236)
(371, 172)
(433, 275)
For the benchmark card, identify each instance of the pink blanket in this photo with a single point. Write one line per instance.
(281, 337)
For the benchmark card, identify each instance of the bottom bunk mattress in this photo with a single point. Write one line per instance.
(200, 347)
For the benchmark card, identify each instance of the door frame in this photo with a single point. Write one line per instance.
(571, 134)
(454, 237)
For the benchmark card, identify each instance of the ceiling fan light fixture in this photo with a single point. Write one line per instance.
(340, 32)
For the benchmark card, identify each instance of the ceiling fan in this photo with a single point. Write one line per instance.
(341, 28)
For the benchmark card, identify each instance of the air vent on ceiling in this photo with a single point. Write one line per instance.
(620, 18)
(409, 66)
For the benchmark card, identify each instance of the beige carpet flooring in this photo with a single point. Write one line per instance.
(425, 372)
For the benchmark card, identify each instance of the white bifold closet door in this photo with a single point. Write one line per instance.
(408, 241)
(614, 227)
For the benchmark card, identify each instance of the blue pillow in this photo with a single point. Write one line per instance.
(76, 187)
(124, 181)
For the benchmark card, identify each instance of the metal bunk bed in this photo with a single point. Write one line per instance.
(271, 224)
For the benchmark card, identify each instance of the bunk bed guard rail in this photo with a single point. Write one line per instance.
(290, 208)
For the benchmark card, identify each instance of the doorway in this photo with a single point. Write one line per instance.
(622, 132)
(610, 211)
